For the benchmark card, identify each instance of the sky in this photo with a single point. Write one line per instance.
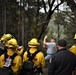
(62, 7)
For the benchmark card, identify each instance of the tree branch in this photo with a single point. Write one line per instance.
(44, 6)
(72, 5)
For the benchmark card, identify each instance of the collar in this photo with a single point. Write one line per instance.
(62, 49)
(32, 50)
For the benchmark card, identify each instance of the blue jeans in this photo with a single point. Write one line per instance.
(47, 58)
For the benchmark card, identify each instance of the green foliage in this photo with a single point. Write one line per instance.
(67, 28)
(15, 16)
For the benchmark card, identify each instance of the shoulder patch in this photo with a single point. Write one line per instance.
(13, 64)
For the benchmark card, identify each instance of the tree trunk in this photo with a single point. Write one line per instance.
(4, 25)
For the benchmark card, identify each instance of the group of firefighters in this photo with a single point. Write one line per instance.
(9, 49)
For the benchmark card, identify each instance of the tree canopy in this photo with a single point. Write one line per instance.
(24, 20)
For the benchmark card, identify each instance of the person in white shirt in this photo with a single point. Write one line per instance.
(51, 47)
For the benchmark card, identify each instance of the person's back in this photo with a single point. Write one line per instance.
(63, 62)
(10, 62)
(31, 56)
(15, 66)
(51, 47)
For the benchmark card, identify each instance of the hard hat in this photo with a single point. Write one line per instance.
(6, 37)
(12, 43)
(75, 36)
(33, 43)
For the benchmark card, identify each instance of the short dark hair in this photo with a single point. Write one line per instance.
(62, 43)
(53, 38)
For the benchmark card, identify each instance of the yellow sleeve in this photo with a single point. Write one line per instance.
(73, 49)
(17, 64)
(2, 60)
(25, 57)
(40, 60)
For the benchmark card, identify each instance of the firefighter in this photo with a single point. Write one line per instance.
(3, 41)
(73, 48)
(15, 63)
(39, 61)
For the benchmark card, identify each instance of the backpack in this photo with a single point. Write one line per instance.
(28, 66)
(6, 70)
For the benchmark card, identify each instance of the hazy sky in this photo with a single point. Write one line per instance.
(61, 7)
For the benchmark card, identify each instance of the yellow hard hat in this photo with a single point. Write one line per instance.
(75, 36)
(6, 37)
(12, 43)
(33, 43)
